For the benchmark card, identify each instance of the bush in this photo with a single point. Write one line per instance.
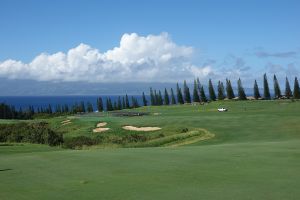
(38, 133)
(134, 138)
(184, 130)
(78, 142)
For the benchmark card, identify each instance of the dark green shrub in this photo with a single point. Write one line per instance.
(134, 138)
(38, 133)
(184, 130)
(78, 142)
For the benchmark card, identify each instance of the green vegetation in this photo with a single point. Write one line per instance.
(249, 152)
(267, 94)
(229, 90)
(296, 89)
(187, 95)
(256, 91)
(38, 133)
(221, 91)
(192, 151)
(241, 92)
(277, 90)
(179, 95)
(196, 97)
(211, 90)
(288, 91)
(202, 94)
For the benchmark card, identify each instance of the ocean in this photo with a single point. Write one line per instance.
(43, 101)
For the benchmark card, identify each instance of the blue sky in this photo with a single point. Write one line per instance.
(231, 37)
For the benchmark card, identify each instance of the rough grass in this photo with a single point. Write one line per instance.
(176, 139)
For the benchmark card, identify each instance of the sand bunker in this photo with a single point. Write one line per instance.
(133, 128)
(99, 130)
(63, 123)
(101, 124)
(66, 123)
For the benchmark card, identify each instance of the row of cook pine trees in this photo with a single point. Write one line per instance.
(157, 98)
(199, 94)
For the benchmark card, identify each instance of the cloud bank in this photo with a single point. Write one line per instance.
(137, 59)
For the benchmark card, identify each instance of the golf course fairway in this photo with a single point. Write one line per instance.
(254, 154)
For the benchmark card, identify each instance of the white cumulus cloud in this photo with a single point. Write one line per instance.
(136, 59)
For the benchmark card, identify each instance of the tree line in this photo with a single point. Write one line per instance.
(222, 92)
(10, 112)
(157, 98)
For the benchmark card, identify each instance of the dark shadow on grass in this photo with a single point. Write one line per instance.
(3, 170)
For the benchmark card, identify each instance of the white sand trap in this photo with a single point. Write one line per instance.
(99, 130)
(133, 128)
(66, 121)
(101, 124)
(156, 113)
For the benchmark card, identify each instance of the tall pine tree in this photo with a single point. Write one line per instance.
(288, 91)
(202, 94)
(173, 100)
(221, 92)
(198, 84)
(241, 91)
(152, 97)
(123, 103)
(267, 94)
(119, 103)
(166, 97)
(100, 104)
(156, 97)
(82, 107)
(160, 100)
(256, 91)
(144, 100)
(127, 104)
(296, 89)
(196, 97)
(276, 87)
(211, 91)
(89, 107)
(187, 95)
(179, 95)
(229, 90)
(107, 105)
(115, 106)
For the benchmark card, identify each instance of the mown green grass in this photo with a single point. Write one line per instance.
(255, 154)
(246, 121)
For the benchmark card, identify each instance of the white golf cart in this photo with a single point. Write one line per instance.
(222, 109)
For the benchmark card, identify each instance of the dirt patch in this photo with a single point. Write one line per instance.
(133, 128)
(156, 113)
(99, 130)
(101, 124)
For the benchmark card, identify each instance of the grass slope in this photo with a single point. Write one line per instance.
(255, 154)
